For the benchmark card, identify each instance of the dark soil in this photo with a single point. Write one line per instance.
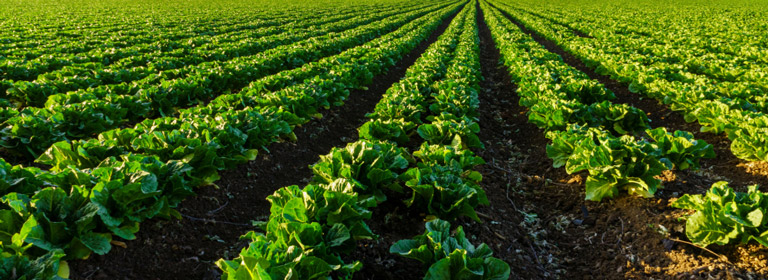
(13, 157)
(214, 219)
(513, 147)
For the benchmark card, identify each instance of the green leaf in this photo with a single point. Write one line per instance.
(495, 269)
(314, 268)
(441, 270)
(295, 211)
(451, 257)
(337, 235)
(430, 133)
(688, 201)
(599, 188)
(412, 249)
(97, 242)
(762, 238)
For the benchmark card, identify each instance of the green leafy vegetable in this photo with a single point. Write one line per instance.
(370, 165)
(613, 163)
(681, 148)
(451, 256)
(724, 216)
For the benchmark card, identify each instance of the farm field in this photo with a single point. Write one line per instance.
(383, 139)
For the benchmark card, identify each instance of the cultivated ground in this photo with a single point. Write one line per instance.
(537, 221)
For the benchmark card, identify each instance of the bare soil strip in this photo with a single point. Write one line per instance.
(514, 153)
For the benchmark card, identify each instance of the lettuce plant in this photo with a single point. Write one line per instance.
(444, 183)
(48, 266)
(724, 216)
(448, 129)
(371, 166)
(265, 259)
(451, 256)
(680, 147)
(396, 130)
(613, 163)
(307, 231)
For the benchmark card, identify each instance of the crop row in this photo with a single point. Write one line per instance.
(26, 62)
(125, 44)
(177, 138)
(675, 43)
(732, 78)
(723, 216)
(46, 25)
(130, 175)
(28, 48)
(91, 64)
(175, 58)
(588, 131)
(741, 119)
(85, 113)
(310, 228)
